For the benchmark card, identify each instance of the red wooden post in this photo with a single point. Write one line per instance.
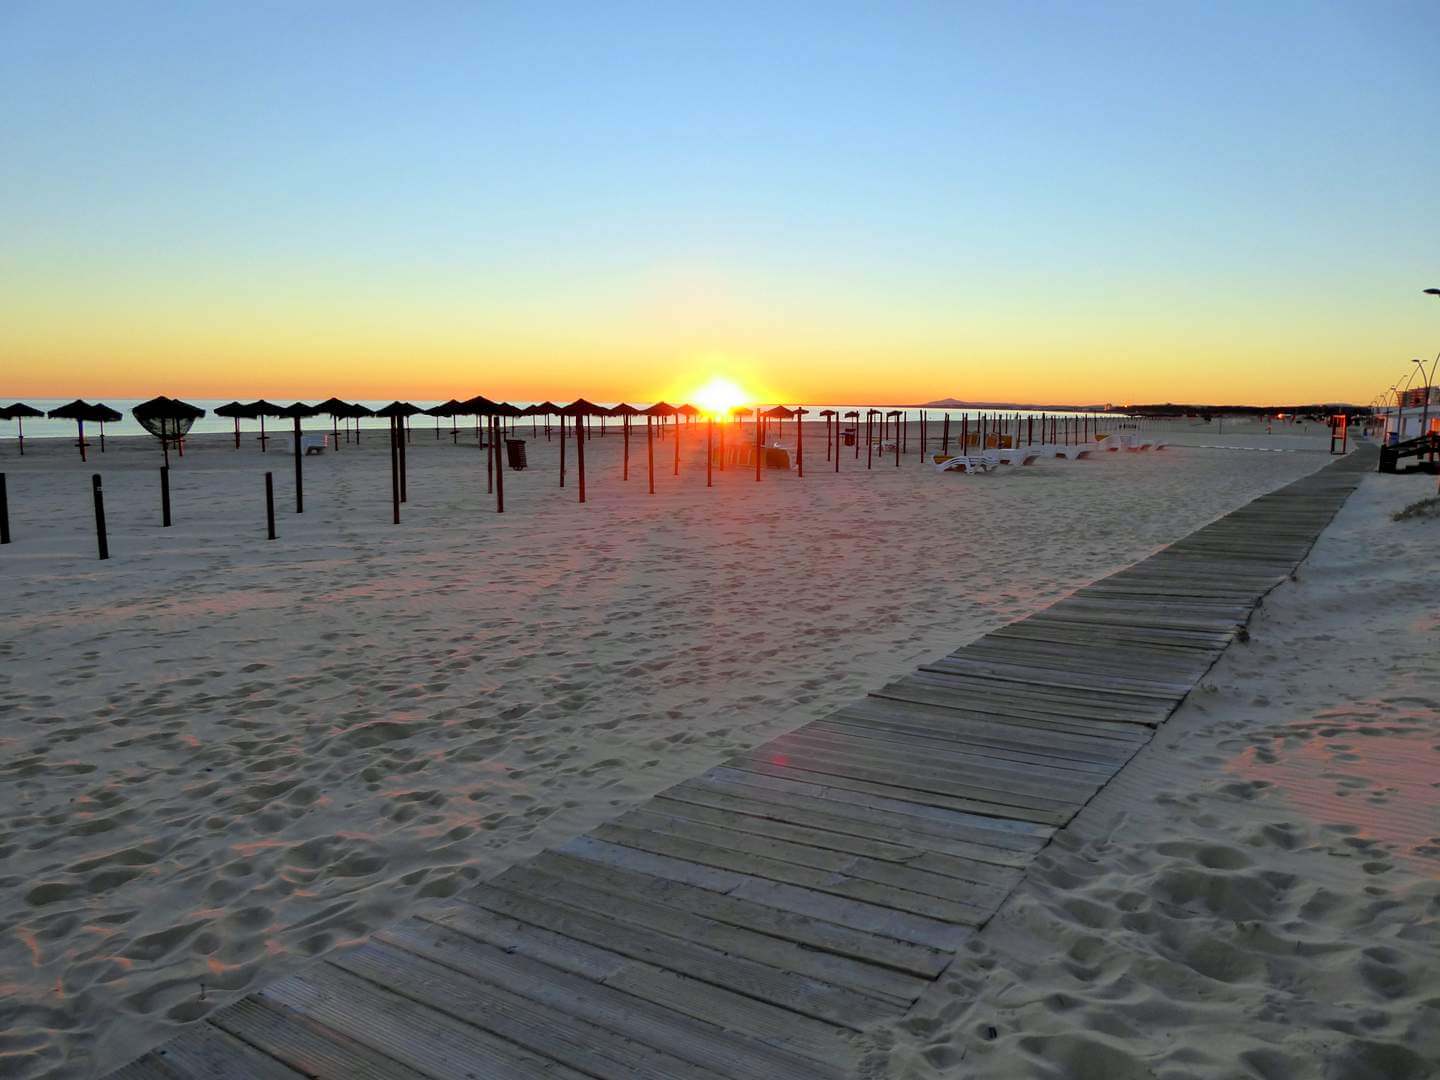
(800, 440)
(757, 444)
(562, 448)
(499, 470)
(945, 434)
(625, 435)
(710, 452)
(650, 449)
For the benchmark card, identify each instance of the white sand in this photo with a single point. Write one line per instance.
(222, 756)
(1258, 893)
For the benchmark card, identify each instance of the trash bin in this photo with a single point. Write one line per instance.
(515, 453)
(849, 438)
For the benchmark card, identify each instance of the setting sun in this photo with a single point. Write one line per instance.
(718, 396)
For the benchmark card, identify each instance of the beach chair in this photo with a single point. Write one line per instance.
(314, 444)
(968, 463)
(1024, 455)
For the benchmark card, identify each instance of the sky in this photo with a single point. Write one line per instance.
(885, 202)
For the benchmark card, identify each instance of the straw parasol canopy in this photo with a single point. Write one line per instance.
(688, 411)
(297, 411)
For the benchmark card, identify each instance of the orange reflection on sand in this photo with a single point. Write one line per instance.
(1373, 779)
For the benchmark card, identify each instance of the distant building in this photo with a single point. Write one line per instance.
(1409, 417)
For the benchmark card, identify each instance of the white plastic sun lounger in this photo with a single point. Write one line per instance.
(1022, 455)
(969, 463)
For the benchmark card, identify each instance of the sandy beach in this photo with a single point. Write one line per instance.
(225, 756)
(1256, 893)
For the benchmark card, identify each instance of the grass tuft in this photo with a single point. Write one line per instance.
(1423, 508)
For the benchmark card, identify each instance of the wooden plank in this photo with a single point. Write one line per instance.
(832, 819)
(1004, 832)
(309, 1048)
(980, 884)
(814, 903)
(788, 1023)
(904, 958)
(940, 800)
(587, 893)
(872, 744)
(425, 1039)
(962, 911)
(514, 955)
(592, 916)
(546, 1031)
(204, 1052)
(884, 719)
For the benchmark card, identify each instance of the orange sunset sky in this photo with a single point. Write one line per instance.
(1024, 202)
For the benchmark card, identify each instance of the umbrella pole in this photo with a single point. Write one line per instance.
(269, 506)
(562, 448)
(800, 441)
(80, 427)
(677, 446)
(650, 450)
(405, 436)
(499, 476)
(394, 474)
(20, 434)
(4, 512)
(237, 433)
(758, 453)
(581, 423)
(722, 443)
(102, 436)
(264, 442)
(490, 455)
(99, 496)
(299, 478)
(710, 452)
(625, 435)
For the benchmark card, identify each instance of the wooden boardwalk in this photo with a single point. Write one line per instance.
(747, 923)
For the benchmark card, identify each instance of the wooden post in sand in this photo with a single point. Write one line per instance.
(394, 471)
(499, 468)
(99, 497)
(869, 436)
(945, 434)
(800, 440)
(580, 436)
(677, 445)
(562, 449)
(270, 506)
(722, 444)
(4, 512)
(758, 449)
(709, 454)
(650, 449)
(625, 435)
(165, 496)
(299, 472)
(405, 436)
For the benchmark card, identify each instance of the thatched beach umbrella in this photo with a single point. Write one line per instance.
(168, 419)
(261, 409)
(579, 409)
(80, 411)
(625, 412)
(397, 412)
(334, 408)
(104, 414)
(661, 410)
(690, 412)
(234, 410)
(18, 411)
(296, 412)
(354, 413)
(853, 414)
(829, 415)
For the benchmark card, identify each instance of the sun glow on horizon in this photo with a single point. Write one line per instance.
(718, 396)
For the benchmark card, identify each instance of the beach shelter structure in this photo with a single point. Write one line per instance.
(260, 410)
(661, 410)
(81, 411)
(579, 409)
(353, 412)
(779, 414)
(18, 411)
(234, 410)
(625, 412)
(296, 412)
(107, 415)
(335, 409)
(690, 412)
(830, 416)
(168, 419)
(398, 412)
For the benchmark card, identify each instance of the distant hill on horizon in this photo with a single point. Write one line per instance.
(956, 403)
